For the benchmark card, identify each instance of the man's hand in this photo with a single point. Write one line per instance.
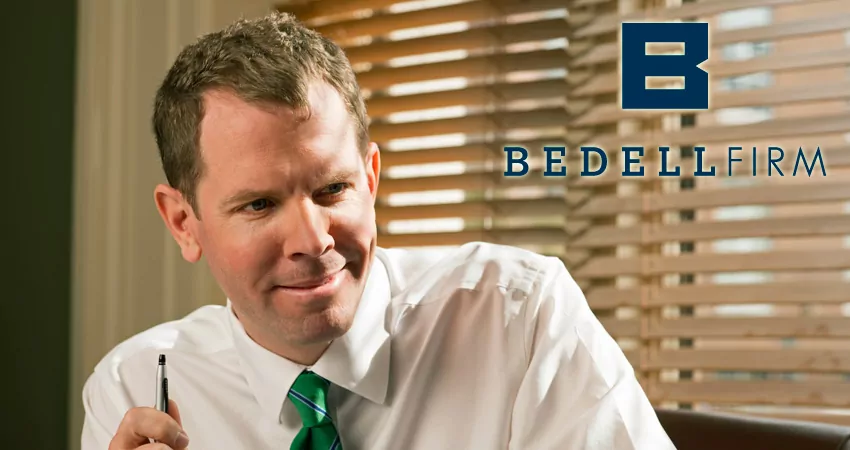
(142, 424)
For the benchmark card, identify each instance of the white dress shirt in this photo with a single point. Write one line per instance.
(478, 347)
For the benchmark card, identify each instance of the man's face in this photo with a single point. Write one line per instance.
(287, 219)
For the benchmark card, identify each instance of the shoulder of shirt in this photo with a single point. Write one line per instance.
(478, 266)
(203, 331)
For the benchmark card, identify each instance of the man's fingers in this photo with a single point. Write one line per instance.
(157, 446)
(142, 424)
(174, 411)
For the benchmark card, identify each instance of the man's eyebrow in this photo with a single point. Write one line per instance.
(342, 175)
(245, 195)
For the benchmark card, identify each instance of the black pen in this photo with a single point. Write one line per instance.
(161, 386)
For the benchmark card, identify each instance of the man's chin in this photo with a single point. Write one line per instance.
(324, 327)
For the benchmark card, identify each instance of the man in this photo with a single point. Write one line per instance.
(328, 341)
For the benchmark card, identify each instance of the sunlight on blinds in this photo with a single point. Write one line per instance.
(724, 291)
(447, 224)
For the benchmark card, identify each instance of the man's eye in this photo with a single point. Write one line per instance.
(334, 189)
(258, 205)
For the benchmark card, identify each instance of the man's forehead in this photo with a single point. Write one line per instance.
(263, 133)
(225, 105)
(321, 98)
(325, 115)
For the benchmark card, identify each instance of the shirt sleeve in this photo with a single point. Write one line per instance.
(579, 392)
(102, 414)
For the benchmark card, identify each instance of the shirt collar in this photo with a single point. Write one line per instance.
(359, 361)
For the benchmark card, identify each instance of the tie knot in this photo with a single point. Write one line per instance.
(309, 395)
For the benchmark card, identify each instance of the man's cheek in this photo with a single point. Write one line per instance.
(354, 223)
(243, 259)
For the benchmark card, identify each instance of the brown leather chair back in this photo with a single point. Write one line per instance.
(713, 431)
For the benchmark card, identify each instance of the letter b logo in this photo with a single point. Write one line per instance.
(636, 65)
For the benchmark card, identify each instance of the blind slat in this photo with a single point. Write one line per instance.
(778, 327)
(714, 263)
(769, 129)
(759, 195)
(796, 292)
(796, 29)
(472, 209)
(518, 237)
(472, 124)
(722, 327)
(471, 96)
(784, 360)
(773, 96)
(476, 66)
(605, 236)
(798, 393)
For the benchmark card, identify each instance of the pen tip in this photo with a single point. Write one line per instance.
(161, 360)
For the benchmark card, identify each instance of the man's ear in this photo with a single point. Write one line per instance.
(373, 168)
(180, 219)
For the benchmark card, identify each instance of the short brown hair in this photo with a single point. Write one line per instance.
(269, 59)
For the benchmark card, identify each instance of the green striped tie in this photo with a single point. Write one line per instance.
(309, 395)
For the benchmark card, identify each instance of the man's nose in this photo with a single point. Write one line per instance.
(308, 231)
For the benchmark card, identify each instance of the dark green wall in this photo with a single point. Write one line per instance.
(37, 71)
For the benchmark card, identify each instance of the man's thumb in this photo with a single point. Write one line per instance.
(174, 412)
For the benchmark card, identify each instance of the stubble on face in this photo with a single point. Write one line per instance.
(286, 202)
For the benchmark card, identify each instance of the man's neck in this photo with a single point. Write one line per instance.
(305, 355)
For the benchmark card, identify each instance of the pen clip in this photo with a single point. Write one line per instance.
(165, 395)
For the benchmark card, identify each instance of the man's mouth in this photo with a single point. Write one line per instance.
(314, 282)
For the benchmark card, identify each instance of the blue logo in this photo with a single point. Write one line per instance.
(636, 65)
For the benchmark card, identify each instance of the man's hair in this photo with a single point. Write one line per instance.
(270, 59)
